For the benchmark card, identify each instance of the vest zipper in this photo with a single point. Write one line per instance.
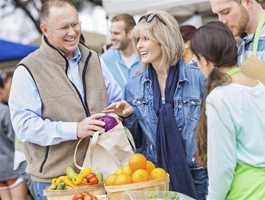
(77, 91)
(84, 81)
(44, 160)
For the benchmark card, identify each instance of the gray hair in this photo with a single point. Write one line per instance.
(46, 6)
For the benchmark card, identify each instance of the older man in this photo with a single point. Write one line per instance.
(242, 17)
(56, 94)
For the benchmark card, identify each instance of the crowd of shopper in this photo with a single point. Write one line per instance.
(178, 89)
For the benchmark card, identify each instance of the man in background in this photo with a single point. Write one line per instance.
(242, 17)
(121, 59)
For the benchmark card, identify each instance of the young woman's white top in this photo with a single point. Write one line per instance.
(236, 133)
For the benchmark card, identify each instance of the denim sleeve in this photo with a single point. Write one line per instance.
(133, 118)
(114, 91)
(203, 82)
(132, 122)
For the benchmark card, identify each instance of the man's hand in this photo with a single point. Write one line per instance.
(90, 125)
(121, 108)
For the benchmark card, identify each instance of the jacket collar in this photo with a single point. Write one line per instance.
(56, 56)
(52, 53)
(182, 72)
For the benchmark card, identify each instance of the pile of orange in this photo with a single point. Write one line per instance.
(139, 169)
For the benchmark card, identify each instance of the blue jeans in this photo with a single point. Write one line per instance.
(200, 178)
(38, 188)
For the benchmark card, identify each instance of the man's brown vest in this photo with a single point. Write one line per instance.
(61, 101)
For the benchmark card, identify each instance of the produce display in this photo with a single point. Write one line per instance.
(73, 179)
(139, 169)
(84, 196)
(110, 122)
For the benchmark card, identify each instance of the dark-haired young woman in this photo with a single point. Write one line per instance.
(231, 132)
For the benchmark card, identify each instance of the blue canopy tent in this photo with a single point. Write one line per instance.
(11, 52)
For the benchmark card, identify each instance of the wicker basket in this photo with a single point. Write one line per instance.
(67, 194)
(124, 192)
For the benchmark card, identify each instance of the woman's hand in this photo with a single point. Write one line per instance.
(121, 108)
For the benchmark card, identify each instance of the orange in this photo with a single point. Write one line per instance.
(123, 179)
(137, 161)
(158, 173)
(150, 166)
(111, 180)
(140, 175)
(118, 172)
(126, 170)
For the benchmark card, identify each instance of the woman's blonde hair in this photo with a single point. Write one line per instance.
(164, 29)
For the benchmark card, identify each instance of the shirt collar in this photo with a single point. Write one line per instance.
(121, 61)
(77, 56)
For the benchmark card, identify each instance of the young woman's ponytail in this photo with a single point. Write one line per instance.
(215, 42)
(215, 79)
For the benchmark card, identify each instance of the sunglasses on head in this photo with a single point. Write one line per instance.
(149, 18)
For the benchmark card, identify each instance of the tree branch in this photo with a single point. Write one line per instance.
(21, 5)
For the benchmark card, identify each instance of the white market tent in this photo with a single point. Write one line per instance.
(179, 8)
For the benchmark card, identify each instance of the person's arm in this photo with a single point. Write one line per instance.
(26, 115)
(221, 149)
(203, 82)
(114, 91)
(132, 119)
(132, 122)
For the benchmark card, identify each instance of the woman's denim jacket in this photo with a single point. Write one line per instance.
(187, 101)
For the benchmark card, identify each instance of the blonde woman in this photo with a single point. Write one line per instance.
(164, 103)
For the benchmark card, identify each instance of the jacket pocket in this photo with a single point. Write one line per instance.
(141, 104)
(191, 108)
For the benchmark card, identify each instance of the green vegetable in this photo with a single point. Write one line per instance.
(70, 172)
(53, 187)
(99, 177)
(61, 186)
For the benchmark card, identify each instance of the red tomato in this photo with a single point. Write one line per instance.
(87, 196)
(90, 175)
(93, 180)
(77, 197)
(91, 195)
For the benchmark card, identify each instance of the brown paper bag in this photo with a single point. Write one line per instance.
(254, 68)
(108, 151)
